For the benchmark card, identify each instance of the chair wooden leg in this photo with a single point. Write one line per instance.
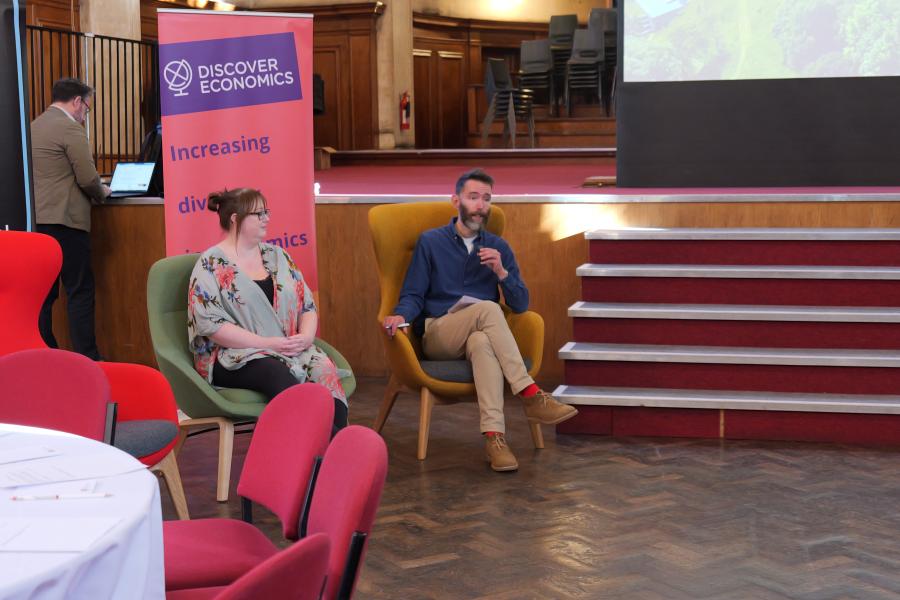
(537, 436)
(226, 446)
(390, 396)
(182, 437)
(425, 405)
(168, 468)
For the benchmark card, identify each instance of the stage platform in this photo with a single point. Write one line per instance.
(542, 176)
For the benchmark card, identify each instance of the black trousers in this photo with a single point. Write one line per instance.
(78, 279)
(269, 376)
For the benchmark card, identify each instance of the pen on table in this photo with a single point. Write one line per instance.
(400, 326)
(63, 496)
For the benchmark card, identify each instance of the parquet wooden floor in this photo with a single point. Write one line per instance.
(591, 517)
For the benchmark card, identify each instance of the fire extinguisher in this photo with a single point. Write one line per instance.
(405, 108)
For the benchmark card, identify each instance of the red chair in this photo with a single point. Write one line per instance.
(147, 422)
(32, 262)
(297, 573)
(291, 433)
(348, 490)
(54, 389)
(140, 392)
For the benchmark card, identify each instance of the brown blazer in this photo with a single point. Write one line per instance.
(65, 178)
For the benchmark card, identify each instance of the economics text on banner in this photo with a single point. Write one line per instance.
(236, 113)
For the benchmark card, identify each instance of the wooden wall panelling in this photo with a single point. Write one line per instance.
(149, 19)
(345, 56)
(441, 92)
(426, 132)
(440, 49)
(333, 127)
(59, 14)
(364, 91)
(451, 74)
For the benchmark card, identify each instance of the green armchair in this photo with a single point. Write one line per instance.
(167, 295)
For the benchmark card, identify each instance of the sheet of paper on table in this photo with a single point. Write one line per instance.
(67, 468)
(23, 453)
(53, 534)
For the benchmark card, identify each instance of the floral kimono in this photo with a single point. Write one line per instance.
(220, 293)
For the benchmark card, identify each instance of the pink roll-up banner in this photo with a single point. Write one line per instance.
(236, 100)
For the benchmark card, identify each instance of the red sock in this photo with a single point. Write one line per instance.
(530, 391)
(492, 433)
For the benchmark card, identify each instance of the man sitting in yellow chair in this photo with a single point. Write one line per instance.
(450, 295)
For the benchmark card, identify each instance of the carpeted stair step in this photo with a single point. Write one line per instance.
(736, 325)
(727, 399)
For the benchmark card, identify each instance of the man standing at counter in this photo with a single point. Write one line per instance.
(66, 183)
(453, 285)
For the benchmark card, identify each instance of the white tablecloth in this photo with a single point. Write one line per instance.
(125, 562)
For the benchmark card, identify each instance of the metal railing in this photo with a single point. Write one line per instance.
(124, 74)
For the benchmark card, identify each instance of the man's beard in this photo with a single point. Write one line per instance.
(466, 217)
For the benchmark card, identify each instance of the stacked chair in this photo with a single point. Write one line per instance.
(315, 489)
(506, 102)
(562, 33)
(584, 68)
(606, 21)
(536, 69)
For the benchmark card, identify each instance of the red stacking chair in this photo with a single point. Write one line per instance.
(348, 490)
(296, 573)
(291, 432)
(54, 389)
(147, 413)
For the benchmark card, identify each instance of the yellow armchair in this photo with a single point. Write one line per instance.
(395, 231)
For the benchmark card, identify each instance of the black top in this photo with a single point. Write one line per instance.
(268, 288)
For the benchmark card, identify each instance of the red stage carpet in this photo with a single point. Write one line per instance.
(532, 179)
(439, 179)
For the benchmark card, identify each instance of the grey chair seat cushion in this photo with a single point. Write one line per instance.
(457, 371)
(142, 438)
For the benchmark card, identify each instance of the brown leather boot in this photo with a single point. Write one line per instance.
(544, 409)
(499, 454)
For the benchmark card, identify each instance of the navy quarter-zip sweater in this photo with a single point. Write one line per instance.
(442, 271)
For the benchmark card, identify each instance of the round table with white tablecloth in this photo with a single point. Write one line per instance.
(93, 530)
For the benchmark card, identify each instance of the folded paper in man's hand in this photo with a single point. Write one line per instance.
(463, 303)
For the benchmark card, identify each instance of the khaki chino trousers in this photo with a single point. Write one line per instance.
(481, 334)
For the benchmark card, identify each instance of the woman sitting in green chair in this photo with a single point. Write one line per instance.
(251, 316)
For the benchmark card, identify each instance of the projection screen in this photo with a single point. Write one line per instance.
(759, 93)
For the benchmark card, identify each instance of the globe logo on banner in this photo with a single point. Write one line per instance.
(229, 73)
(178, 76)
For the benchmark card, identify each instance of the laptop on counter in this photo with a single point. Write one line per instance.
(131, 179)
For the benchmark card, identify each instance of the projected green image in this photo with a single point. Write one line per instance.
(690, 40)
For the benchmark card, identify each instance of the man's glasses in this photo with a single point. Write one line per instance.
(264, 213)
